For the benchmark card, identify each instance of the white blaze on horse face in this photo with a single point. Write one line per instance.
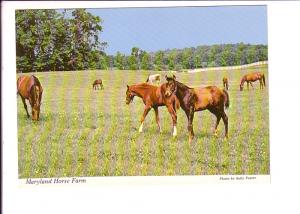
(141, 127)
(175, 132)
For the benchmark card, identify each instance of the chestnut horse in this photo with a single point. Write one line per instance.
(153, 97)
(199, 99)
(252, 77)
(29, 87)
(225, 83)
(96, 84)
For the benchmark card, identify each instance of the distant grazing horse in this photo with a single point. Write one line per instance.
(192, 100)
(153, 97)
(29, 87)
(225, 83)
(153, 78)
(97, 83)
(252, 77)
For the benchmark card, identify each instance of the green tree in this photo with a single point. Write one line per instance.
(132, 62)
(52, 40)
(146, 61)
(172, 60)
(158, 60)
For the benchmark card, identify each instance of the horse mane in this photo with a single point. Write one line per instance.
(36, 89)
(181, 85)
(142, 85)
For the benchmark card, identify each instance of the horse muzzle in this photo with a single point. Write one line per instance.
(168, 94)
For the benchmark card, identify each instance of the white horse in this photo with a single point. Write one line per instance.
(153, 78)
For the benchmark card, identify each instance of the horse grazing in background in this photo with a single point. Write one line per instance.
(252, 77)
(153, 78)
(29, 87)
(199, 99)
(153, 97)
(225, 83)
(97, 83)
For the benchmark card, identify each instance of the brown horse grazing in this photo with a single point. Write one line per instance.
(97, 83)
(192, 100)
(252, 77)
(29, 87)
(225, 83)
(153, 97)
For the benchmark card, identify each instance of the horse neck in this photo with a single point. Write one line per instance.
(140, 90)
(35, 94)
(182, 90)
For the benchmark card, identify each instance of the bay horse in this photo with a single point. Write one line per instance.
(153, 97)
(252, 77)
(225, 83)
(198, 99)
(29, 87)
(96, 84)
(153, 78)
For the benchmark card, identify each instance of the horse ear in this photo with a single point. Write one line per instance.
(128, 86)
(174, 77)
(166, 77)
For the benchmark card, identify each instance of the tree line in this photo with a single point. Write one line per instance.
(63, 40)
(191, 58)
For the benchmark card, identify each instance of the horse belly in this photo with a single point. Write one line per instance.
(203, 99)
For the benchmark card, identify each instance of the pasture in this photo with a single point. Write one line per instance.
(86, 132)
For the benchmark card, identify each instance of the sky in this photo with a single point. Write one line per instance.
(154, 29)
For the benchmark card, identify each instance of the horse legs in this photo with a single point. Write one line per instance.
(261, 86)
(190, 116)
(174, 119)
(190, 126)
(157, 118)
(217, 123)
(102, 88)
(146, 111)
(25, 106)
(251, 85)
(225, 120)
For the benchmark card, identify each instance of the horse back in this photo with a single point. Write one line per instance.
(25, 85)
(207, 96)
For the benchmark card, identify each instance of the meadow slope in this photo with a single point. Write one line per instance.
(83, 132)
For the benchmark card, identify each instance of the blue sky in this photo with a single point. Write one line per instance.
(153, 29)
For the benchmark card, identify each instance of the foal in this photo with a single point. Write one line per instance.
(153, 97)
(97, 83)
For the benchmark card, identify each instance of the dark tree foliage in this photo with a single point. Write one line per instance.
(51, 40)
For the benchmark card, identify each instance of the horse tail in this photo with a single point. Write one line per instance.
(226, 101)
(148, 78)
(263, 77)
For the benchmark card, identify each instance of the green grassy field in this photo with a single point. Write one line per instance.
(83, 132)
